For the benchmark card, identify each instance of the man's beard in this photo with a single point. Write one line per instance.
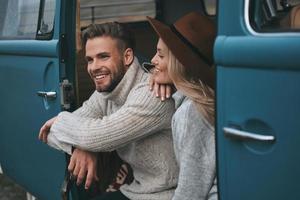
(115, 82)
(117, 79)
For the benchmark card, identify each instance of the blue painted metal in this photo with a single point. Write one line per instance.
(253, 51)
(258, 80)
(230, 16)
(23, 157)
(29, 48)
(28, 66)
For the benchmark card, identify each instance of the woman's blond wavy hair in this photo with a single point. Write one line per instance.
(189, 83)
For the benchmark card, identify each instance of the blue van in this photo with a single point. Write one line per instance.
(257, 60)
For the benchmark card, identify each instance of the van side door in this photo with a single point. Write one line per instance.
(258, 111)
(35, 56)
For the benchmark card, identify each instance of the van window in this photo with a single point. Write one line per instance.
(23, 19)
(46, 20)
(274, 15)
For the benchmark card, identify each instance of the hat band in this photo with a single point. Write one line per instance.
(193, 48)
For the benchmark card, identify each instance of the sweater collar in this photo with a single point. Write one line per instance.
(120, 93)
(178, 98)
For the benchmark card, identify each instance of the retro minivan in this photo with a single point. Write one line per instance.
(257, 63)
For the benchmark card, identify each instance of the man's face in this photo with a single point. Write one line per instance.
(105, 63)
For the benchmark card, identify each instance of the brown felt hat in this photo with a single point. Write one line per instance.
(191, 40)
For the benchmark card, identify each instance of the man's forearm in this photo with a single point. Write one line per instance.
(55, 143)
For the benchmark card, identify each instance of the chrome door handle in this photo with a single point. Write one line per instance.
(48, 95)
(243, 135)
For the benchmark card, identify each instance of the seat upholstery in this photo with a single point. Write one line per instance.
(292, 20)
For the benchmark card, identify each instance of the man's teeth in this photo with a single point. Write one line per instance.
(100, 76)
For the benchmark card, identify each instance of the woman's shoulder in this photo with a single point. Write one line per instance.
(190, 114)
(191, 131)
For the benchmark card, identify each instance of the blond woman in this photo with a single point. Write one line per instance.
(184, 59)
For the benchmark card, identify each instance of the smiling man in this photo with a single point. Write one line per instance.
(121, 115)
(105, 62)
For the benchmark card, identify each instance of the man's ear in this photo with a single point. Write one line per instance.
(128, 56)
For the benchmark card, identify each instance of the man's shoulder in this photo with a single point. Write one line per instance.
(141, 89)
(141, 83)
(141, 93)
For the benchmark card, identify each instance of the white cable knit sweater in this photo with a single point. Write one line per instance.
(133, 122)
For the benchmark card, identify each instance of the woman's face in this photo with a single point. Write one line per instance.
(160, 61)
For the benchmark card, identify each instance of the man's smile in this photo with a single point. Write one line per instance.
(100, 76)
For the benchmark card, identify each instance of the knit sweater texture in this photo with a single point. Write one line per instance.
(136, 124)
(194, 145)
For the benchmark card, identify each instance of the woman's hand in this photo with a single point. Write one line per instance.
(162, 91)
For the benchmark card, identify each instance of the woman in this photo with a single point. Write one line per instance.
(184, 59)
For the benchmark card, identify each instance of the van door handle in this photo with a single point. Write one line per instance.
(48, 95)
(243, 135)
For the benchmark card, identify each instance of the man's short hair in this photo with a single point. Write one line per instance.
(114, 30)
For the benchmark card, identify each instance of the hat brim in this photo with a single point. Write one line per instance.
(182, 51)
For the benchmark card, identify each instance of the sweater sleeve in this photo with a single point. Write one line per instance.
(141, 115)
(56, 144)
(196, 149)
(90, 109)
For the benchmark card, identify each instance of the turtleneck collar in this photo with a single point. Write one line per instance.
(120, 93)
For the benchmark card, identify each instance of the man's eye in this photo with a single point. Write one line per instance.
(89, 61)
(104, 57)
(160, 56)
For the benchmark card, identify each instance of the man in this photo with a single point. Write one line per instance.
(121, 115)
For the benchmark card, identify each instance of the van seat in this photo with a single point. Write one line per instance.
(292, 20)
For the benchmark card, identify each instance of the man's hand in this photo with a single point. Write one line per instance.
(84, 164)
(44, 131)
(160, 90)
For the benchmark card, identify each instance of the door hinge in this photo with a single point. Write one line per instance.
(67, 94)
(63, 48)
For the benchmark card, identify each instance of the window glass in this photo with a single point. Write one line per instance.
(19, 19)
(46, 20)
(210, 6)
(274, 15)
(95, 11)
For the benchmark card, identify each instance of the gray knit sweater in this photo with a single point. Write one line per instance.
(133, 122)
(194, 145)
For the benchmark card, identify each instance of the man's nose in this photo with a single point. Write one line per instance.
(94, 65)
